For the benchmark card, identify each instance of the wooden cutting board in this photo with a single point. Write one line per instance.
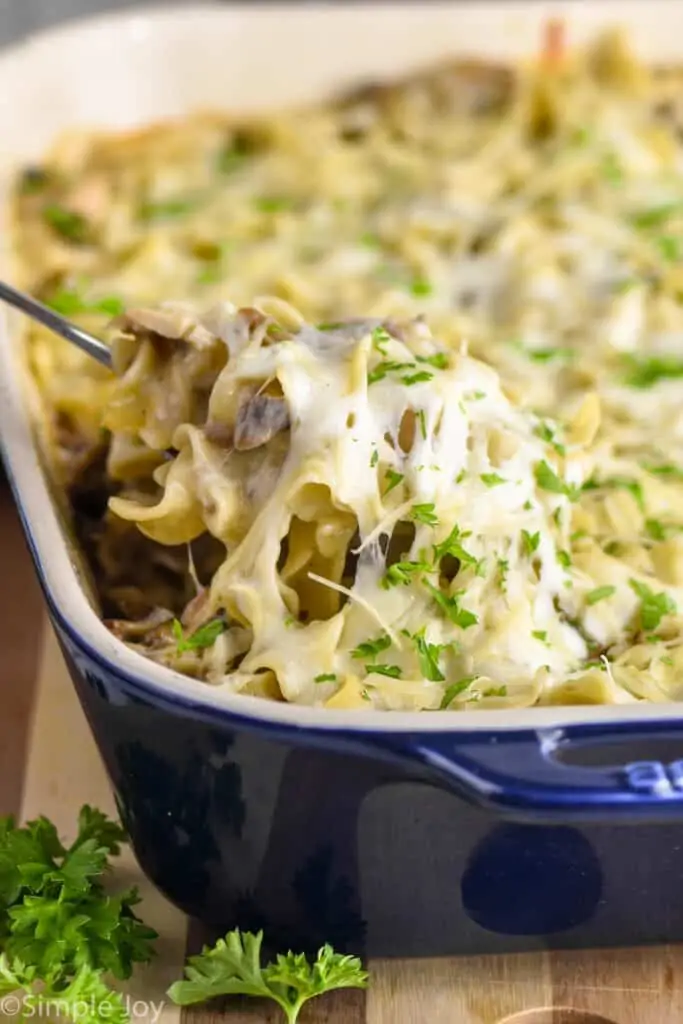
(49, 765)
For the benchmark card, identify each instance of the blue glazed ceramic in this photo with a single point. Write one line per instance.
(382, 833)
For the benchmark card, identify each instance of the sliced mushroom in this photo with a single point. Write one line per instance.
(259, 418)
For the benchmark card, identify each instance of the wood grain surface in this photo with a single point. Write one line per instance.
(48, 764)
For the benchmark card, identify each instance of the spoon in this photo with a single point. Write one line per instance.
(88, 343)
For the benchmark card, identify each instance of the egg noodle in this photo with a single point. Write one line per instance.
(410, 433)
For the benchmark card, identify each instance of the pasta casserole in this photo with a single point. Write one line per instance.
(396, 419)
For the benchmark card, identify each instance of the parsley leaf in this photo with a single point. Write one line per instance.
(69, 303)
(491, 479)
(380, 339)
(600, 594)
(665, 469)
(393, 479)
(428, 656)
(374, 458)
(452, 546)
(393, 671)
(450, 606)
(421, 288)
(425, 514)
(371, 648)
(166, 208)
(70, 225)
(233, 967)
(421, 377)
(272, 204)
(548, 480)
(653, 607)
(84, 999)
(203, 637)
(530, 542)
(669, 247)
(546, 433)
(452, 691)
(439, 361)
(655, 216)
(402, 573)
(326, 677)
(423, 423)
(644, 371)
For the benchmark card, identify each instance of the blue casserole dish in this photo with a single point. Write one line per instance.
(388, 834)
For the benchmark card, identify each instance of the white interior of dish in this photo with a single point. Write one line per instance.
(124, 70)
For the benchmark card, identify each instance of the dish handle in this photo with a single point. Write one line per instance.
(582, 771)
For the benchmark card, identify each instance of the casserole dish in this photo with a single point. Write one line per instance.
(510, 830)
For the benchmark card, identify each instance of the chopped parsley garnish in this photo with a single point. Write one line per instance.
(564, 558)
(333, 326)
(600, 594)
(421, 288)
(233, 156)
(653, 607)
(371, 648)
(450, 606)
(421, 417)
(326, 677)
(385, 367)
(421, 377)
(461, 476)
(530, 542)
(540, 634)
(655, 529)
(393, 479)
(439, 360)
(496, 691)
(392, 671)
(645, 371)
(428, 656)
(369, 240)
(380, 338)
(492, 479)
(503, 570)
(546, 355)
(546, 434)
(669, 247)
(452, 546)
(425, 514)
(666, 469)
(548, 480)
(203, 637)
(67, 223)
(165, 209)
(374, 458)
(452, 691)
(403, 573)
(655, 216)
(272, 204)
(612, 170)
(70, 303)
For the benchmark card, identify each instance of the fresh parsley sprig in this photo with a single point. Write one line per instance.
(61, 933)
(233, 967)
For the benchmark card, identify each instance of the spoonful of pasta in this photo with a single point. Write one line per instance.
(88, 343)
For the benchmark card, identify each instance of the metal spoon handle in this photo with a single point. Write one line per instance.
(88, 343)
